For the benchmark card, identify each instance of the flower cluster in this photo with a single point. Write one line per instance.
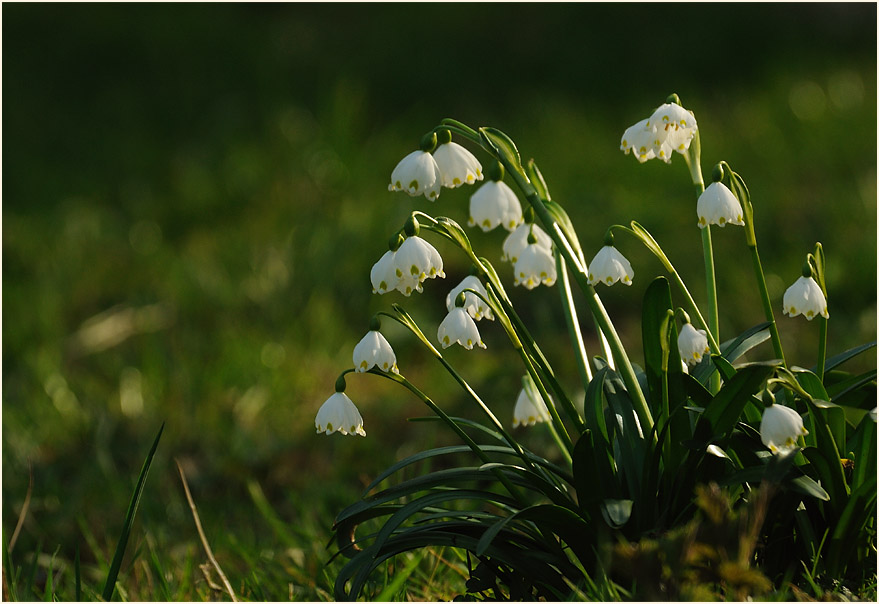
(669, 129)
(425, 173)
(529, 248)
(407, 267)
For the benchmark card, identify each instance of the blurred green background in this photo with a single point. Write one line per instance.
(193, 196)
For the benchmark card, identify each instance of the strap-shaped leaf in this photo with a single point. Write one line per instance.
(863, 444)
(847, 533)
(504, 148)
(837, 360)
(723, 412)
(732, 349)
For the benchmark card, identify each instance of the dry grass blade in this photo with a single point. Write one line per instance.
(24, 508)
(201, 535)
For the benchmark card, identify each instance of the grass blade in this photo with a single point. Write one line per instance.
(115, 565)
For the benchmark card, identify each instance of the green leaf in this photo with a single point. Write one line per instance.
(732, 349)
(537, 180)
(837, 360)
(594, 404)
(723, 412)
(594, 476)
(400, 578)
(116, 564)
(848, 532)
(504, 148)
(864, 441)
(616, 512)
(829, 472)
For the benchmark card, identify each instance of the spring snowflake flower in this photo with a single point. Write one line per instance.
(493, 204)
(780, 428)
(639, 139)
(675, 129)
(805, 297)
(692, 344)
(385, 278)
(416, 258)
(670, 128)
(530, 408)
(517, 241)
(717, 205)
(375, 351)
(339, 414)
(459, 327)
(417, 174)
(610, 266)
(534, 266)
(473, 304)
(457, 165)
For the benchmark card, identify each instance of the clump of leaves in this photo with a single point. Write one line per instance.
(709, 558)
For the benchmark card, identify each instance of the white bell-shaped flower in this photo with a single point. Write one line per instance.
(530, 408)
(780, 428)
(418, 259)
(384, 274)
(639, 139)
(806, 298)
(692, 344)
(534, 266)
(718, 205)
(610, 266)
(457, 165)
(493, 204)
(675, 128)
(417, 174)
(375, 351)
(459, 328)
(518, 241)
(339, 414)
(473, 304)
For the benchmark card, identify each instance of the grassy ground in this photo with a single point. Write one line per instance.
(193, 196)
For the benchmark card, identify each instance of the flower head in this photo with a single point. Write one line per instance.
(385, 278)
(517, 241)
(339, 414)
(417, 259)
(493, 204)
(780, 428)
(610, 266)
(459, 327)
(692, 344)
(534, 266)
(473, 304)
(639, 139)
(417, 174)
(717, 205)
(805, 297)
(530, 408)
(457, 165)
(670, 128)
(374, 351)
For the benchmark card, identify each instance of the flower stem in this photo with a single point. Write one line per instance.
(822, 346)
(572, 321)
(767, 303)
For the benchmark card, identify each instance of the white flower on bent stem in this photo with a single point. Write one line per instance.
(457, 165)
(780, 428)
(530, 408)
(609, 266)
(339, 414)
(718, 205)
(418, 259)
(535, 265)
(384, 277)
(692, 344)
(459, 328)
(493, 204)
(669, 129)
(417, 174)
(475, 306)
(805, 297)
(374, 350)
(517, 241)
